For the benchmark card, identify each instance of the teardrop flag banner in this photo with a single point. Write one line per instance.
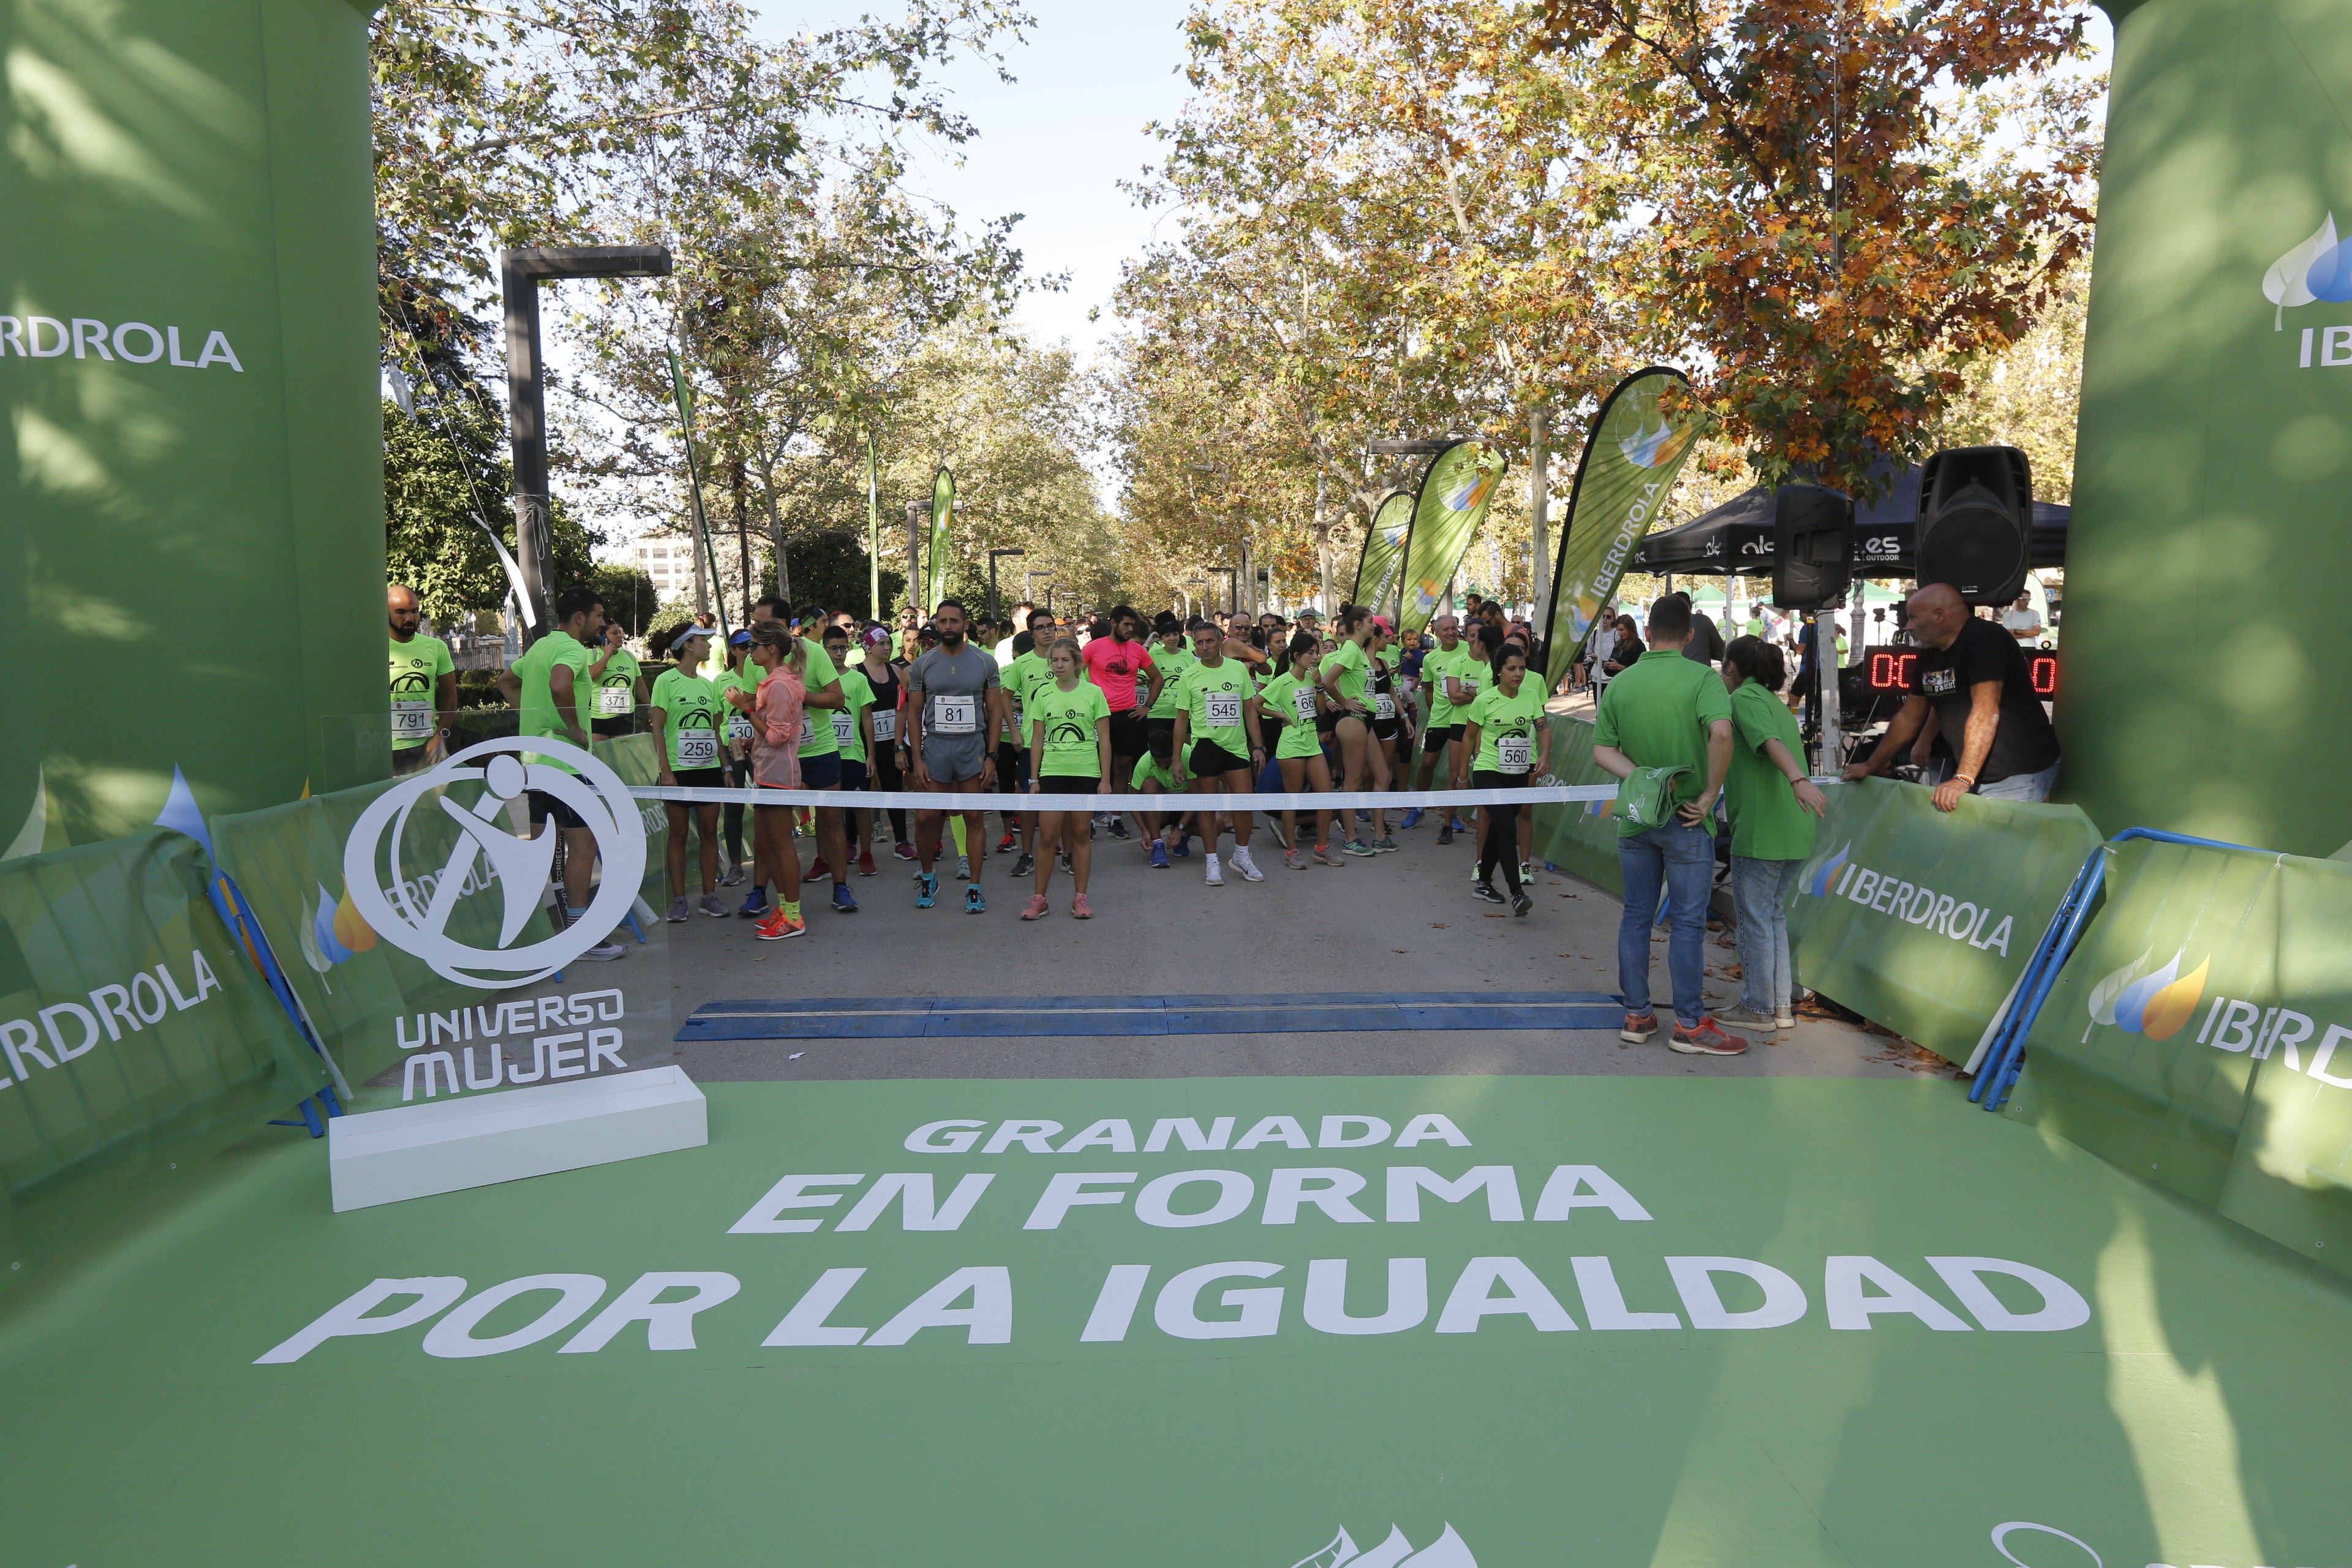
(1632, 459)
(1384, 550)
(1462, 480)
(942, 513)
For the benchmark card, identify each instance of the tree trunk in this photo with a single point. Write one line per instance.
(742, 533)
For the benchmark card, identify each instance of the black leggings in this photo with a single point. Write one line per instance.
(883, 767)
(730, 816)
(1501, 845)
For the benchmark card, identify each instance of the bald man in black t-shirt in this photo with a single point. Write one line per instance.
(1973, 675)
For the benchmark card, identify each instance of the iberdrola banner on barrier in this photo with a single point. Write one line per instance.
(130, 1021)
(1384, 550)
(1632, 457)
(1923, 920)
(942, 516)
(1454, 494)
(2198, 1036)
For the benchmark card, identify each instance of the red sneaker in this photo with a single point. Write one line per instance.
(777, 927)
(865, 862)
(1639, 1027)
(818, 870)
(1704, 1039)
(1004, 845)
(1081, 909)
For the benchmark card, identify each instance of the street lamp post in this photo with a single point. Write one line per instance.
(520, 273)
(991, 577)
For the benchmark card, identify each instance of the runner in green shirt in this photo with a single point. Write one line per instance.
(1451, 657)
(853, 731)
(1294, 699)
(689, 734)
(1069, 754)
(619, 682)
(550, 683)
(424, 686)
(1217, 744)
(1027, 669)
(1507, 734)
(1172, 656)
(1343, 676)
(734, 671)
(1773, 806)
(1668, 712)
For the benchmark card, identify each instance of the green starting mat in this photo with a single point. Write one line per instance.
(1257, 1323)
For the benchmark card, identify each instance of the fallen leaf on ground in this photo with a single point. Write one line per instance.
(1498, 917)
(1396, 950)
(1437, 925)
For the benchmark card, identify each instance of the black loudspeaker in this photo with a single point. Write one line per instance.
(1975, 522)
(1812, 546)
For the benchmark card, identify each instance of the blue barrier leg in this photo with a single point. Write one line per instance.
(2008, 1029)
(2008, 1061)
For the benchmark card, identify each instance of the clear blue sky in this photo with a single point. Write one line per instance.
(1055, 145)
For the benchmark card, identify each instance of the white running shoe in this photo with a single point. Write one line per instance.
(1248, 866)
(964, 867)
(1216, 878)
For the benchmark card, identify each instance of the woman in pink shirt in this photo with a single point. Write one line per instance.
(778, 716)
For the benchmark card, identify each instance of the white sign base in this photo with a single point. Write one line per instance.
(445, 1146)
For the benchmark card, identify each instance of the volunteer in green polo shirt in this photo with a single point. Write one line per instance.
(1668, 712)
(424, 686)
(1773, 806)
(551, 684)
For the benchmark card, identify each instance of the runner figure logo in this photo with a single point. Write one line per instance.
(386, 891)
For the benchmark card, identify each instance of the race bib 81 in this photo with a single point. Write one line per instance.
(955, 715)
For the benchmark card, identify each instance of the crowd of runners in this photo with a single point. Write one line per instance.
(1126, 709)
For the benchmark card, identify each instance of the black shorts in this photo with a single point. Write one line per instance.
(1159, 738)
(701, 778)
(1209, 760)
(1387, 729)
(544, 805)
(408, 759)
(1127, 732)
(1011, 767)
(821, 773)
(853, 773)
(618, 724)
(1069, 784)
(1435, 741)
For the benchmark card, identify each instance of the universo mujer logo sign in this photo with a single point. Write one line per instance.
(383, 886)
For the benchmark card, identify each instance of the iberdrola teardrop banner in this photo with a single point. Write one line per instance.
(1455, 493)
(1632, 459)
(1384, 548)
(942, 514)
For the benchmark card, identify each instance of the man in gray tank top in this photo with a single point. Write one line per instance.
(955, 708)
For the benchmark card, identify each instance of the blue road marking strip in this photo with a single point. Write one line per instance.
(1005, 1017)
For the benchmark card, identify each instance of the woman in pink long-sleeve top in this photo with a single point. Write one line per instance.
(779, 720)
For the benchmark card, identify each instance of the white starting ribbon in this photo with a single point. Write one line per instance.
(998, 799)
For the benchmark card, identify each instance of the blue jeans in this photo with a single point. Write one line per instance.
(1680, 861)
(1759, 893)
(2021, 787)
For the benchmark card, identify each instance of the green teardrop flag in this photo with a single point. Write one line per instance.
(1384, 548)
(873, 534)
(1631, 460)
(942, 513)
(1462, 480)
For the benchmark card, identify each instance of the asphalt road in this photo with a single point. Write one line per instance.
(1397, 923)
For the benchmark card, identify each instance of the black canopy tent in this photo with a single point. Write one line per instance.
(1736, 537)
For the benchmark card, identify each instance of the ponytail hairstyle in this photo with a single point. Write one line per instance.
(1756, 660)
(779, 634)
